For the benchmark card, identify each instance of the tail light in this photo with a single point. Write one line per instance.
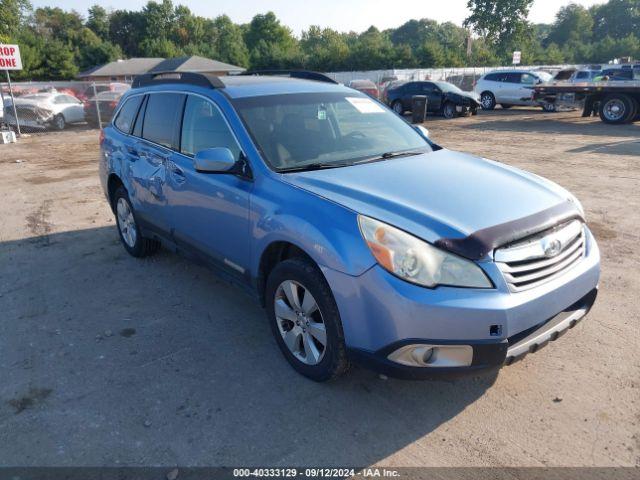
(101, 140)
(113, 104)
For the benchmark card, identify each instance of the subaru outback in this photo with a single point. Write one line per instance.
(364, 240)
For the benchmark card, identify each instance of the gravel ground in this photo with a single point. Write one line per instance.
(109, 360)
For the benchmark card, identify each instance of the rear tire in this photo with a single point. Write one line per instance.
(487, 101)
(616, 109)
(548, 107)
(397, 107)
(303, 321)
(128, 228)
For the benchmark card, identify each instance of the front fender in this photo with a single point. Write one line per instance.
(326, 231)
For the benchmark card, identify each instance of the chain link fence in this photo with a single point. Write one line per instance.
(40, 107)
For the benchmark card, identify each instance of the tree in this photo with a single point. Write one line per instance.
(98, 22)
(229, 42)
(126, 29)
(431, 55)
(502, 22)
(616, 19)
(12, 15)
(271, 44)
(573, 22)
(324, 49)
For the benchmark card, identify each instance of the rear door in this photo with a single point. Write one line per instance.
(159, 129)
(493, 82)
(434, 96)
(409, 90)
(511, 91)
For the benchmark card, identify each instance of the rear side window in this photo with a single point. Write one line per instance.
(513, 77)
(495, 77)
(204, 127)
(162, 119)
(127, 115)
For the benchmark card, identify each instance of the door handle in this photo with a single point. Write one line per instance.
(133, 153)
(176, 172)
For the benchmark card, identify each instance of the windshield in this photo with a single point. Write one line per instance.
(544, 76)
(328, 129)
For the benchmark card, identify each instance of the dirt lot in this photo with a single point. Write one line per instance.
(108, 360)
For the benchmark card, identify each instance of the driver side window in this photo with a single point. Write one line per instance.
(203, 126)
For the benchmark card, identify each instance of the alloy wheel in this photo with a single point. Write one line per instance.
(126, 222)
(486, 101)
(300, 322)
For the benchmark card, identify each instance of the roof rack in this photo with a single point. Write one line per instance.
(205, 80)
(302, 74)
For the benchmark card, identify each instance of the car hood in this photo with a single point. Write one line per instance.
(468, 95)
(442, 194)
(30, 102)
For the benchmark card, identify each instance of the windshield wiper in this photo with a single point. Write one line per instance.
(313, 166)
(388, 155)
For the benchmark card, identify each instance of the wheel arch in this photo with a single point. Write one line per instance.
(113, 183)
(276, 252)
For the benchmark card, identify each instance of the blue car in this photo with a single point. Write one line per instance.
(364, 240)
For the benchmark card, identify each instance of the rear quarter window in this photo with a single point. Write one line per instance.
(126, 116)
(162, 119)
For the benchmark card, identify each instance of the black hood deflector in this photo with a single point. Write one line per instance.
(480, 243)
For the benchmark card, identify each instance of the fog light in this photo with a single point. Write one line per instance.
(434, 356)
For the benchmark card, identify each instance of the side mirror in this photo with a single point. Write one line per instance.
(214, 160)
(422, 131)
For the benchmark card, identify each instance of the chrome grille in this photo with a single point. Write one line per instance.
(541, 258)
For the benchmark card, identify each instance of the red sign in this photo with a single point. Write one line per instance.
(10, 57)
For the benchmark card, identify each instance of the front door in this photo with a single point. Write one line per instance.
(209, 211)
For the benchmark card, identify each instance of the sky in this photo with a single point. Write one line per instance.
(341, 15)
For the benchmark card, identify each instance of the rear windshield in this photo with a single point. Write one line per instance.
(295, 130)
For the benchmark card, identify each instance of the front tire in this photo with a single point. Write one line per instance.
(449, 110)
(305, 320)
(487, 101)
(59, 123)
(128, 229)
(505, 106)
(548, 107)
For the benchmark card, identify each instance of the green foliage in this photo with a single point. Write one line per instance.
(56, 44)
(573, 23)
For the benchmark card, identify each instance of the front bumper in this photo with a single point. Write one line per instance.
(486, 354)
(381, 313)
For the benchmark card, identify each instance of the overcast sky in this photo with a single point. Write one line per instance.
(342, 15)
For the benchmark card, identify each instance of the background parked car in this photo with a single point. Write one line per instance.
(442, 98)
(106, 102)
(45, 110)
(365, 86)
(89, 91)
(617, 75)
(509, 88)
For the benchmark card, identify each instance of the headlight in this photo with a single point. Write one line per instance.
(417, 261)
